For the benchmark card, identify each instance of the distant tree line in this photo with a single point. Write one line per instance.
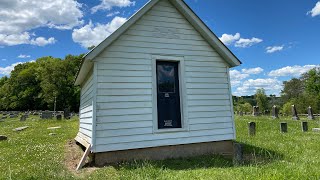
(302, 92)
(36, 85)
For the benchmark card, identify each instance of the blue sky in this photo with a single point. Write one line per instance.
(275, 40)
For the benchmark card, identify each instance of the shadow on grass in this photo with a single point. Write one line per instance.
(252, 156)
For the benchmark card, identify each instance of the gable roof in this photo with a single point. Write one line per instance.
(185, 10)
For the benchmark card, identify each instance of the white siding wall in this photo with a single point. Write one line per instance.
(86, 108)
(124, 95)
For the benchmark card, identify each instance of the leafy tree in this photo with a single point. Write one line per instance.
(292, 89)
(262, 99)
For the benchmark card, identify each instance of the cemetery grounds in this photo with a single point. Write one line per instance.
(34, 154)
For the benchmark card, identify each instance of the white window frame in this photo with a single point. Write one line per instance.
(182, 90)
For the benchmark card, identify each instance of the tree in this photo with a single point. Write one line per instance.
(292, 89)
(262, 99)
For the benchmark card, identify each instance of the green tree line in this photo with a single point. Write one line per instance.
(302, 92)
(36, 85)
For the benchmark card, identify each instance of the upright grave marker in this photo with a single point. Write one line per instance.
(310, 113)
(283, 127)
(255, 111)
(304, 126)
(275, 112)
(294, 113)
(252, 128)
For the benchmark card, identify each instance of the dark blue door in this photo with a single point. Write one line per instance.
(168, 95)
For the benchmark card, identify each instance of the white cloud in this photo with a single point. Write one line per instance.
(24, 38)
(7, 70)
(24, 56)
(3, 59)
(91, 34)
(109, 4)
(243, 43)
(272, 49)
(315, 11)
(18, 17)
(113, 13)
(294, 71)
(236, 77)
(249, 87)
(256, 70)
(228, 39)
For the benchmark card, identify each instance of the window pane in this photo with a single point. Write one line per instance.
(166, 78)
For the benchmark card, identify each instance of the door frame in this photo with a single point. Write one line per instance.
(182, 89)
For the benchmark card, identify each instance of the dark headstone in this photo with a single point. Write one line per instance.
(275, 112)
(238, 154)
(12, 115)
(23, 118)
(59, 116)
(241, 113)
(4, 117)
(66, 113)
(252, 128)
(304, 126)
(310, 113)
(255, 111)
(46, 115)
(283, 127)
(3, 138)
(294, 113)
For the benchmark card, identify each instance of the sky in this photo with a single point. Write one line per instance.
(275, 40)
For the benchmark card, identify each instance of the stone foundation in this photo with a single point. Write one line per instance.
(165, 152)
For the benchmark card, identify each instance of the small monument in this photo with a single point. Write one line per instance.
(46, 115)
(275, 112)
(241, 113)
(310, 113)
(66, 114)
(255, 111)
(59, 116)
(294, 113)
(23, 118)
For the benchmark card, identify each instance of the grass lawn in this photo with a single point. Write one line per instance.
(34, 154)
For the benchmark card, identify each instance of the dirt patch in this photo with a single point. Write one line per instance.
(73, 154)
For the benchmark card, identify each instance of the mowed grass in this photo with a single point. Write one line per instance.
(34, 154)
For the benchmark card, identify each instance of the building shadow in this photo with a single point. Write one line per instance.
(252, 156)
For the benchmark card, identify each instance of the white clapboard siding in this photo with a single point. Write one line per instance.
(86, 108)
(152, 143)
(125, 91)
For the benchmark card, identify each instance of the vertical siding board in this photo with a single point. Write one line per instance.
(123, 75)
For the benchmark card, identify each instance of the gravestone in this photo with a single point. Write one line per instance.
(252, 128)
(310, 113)
(4, 117)
(283, 127)
(46, 115)
(294, 113)
(275, 112)
(304, 126)
(12, 116)
(3, 138)
(23, 118)
(255, 111)
(241, 113)
(59, 116)
(66, 113)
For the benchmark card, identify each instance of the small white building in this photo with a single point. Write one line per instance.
(158, 87)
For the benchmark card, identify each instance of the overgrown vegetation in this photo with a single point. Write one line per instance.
(34, 154)
(302, 92)
(35, 85)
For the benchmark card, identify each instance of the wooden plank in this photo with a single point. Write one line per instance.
(124, 92)
(121, 73)
(125, 85)
(207, 91)
(211, 126)
(124, 105)
(124, 67)
(83, 159)
(216, 108)
(206, 80)
(132, 111)
(208, 102)
(127, 61)
(124, 118)
(103, 79)
(211, 120)
(206, 85)
(124, 125)
(121, 132)
(205, 63)
(209, 114)
(208, 97)
(136, 98)
(206, 69)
